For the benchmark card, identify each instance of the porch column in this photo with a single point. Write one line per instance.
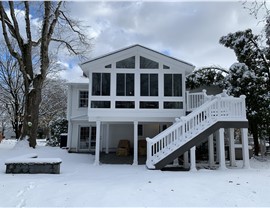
(176, 162)
(186, 164)
(232, 147)
(135, 156)
(217, 145)
(221, 148)
(70, 129)
(245, 150)
(107, 138)
(193, 159)
(211, 159)
(97, 152)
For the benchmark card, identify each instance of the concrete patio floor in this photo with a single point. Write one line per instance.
(112, 158)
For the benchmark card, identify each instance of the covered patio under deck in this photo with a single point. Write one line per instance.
(112, 158)
(109, 133)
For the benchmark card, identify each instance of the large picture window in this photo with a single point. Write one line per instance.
(146, 63)
(125, 85)
(83, 99)
(149, 84)
(128, 63)
(124, 104)
(100, 104)
(149, 104)
(101, 83)
(173, 105)
(173, 85)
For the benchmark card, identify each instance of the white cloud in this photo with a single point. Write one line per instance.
(72, 73)
(187, 30)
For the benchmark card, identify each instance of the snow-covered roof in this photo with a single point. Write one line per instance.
(78, 80)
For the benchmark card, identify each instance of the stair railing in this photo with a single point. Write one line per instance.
(220, 108)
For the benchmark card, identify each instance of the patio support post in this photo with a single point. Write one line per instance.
(211, 159)
(97, 152)
(186, 164)
(245, 149)
(107, 138)
(175, 162)
(232, 147)
(70, 128)
(193, 159)
(135, 157)
(217, 146)
(221, 148)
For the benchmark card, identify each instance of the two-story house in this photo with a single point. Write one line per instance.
(133, 94)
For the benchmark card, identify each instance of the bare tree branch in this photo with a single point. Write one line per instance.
(69, 47)
(5, 19)
(55, 20)
(27, 22)
(16, 26)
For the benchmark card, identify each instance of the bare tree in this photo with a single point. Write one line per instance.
(53, 105)
(54, 20)
(12, 90)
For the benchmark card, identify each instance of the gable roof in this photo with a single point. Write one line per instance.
(133, 46)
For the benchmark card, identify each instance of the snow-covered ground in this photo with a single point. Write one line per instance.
(82, 184)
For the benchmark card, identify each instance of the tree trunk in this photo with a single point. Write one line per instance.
(255, 133)
(30, 125)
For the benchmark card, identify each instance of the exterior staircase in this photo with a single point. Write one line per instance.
(208, 114)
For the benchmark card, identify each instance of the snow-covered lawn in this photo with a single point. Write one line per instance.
(83, 184)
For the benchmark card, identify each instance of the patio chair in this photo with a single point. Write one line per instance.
(123, 148)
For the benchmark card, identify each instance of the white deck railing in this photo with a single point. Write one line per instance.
(194, 100)
(187, 127)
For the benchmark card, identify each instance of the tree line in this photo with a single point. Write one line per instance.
(31, 47)
(249, 76)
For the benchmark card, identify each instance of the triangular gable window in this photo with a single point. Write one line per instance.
(166, 67)
(108, 66)
(128, 63)
(146, 63)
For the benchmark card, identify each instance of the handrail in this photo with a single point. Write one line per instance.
(187, 127)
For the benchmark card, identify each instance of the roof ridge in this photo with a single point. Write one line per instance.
(131, 46)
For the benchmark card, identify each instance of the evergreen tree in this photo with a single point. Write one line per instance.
(250, 76)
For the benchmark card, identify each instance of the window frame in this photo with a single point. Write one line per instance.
(100, 84)
(133, 59)
(85, 99)
(147, 63)
(150, 88)
(126, 83)
(171, 90)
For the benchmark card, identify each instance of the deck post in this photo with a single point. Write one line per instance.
(211, 159)
(186, 164)
(217, 146)
(193, 159)
(222, 164)
(107, 138)
(69, 140)
(97, 152)
(135, 157)
(176, 162)
(187, 101)
(245, 150)
(232, 147)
